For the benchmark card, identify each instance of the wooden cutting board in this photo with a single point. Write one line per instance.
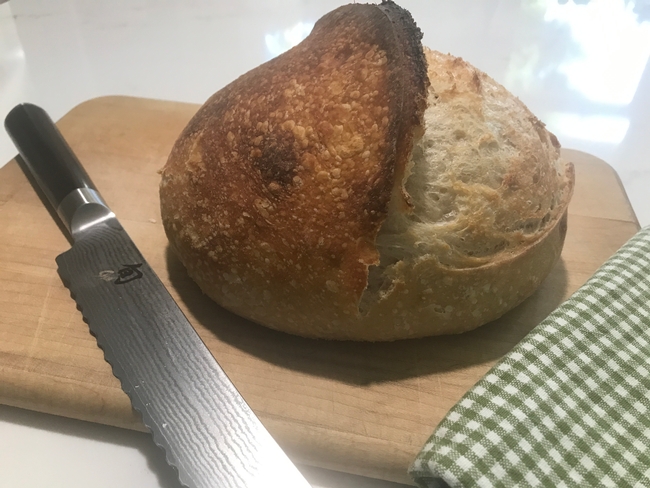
(354, 407)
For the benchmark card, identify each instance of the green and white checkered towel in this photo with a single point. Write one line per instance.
(570, 404)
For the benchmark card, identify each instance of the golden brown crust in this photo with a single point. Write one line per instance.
(353, 152)
(275, 191)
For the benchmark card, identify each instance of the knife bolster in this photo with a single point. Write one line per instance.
(81, 209)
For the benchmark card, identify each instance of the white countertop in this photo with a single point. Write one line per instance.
(580, 65)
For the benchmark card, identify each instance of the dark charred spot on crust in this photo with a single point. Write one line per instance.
(275, 161)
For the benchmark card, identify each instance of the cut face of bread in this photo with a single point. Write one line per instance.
(356, 188)
(486, 182)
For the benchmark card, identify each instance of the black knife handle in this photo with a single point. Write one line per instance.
(46, 153)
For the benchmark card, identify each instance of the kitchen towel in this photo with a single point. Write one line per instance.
(570, 404)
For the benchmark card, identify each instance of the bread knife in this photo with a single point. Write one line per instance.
(194, 412)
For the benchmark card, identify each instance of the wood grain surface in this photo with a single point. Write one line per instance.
(360, 408)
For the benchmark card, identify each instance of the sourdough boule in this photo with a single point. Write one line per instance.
(363, 187)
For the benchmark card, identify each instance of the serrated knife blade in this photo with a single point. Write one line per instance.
(194, 412)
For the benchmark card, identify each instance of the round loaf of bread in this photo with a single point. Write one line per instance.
(363, 187)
